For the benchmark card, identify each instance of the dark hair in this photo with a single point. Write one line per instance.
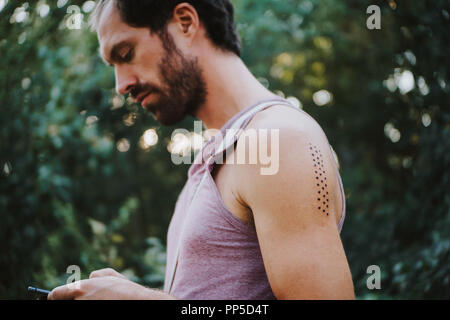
(216, 15)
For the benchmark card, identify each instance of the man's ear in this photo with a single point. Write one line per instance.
(186, 18)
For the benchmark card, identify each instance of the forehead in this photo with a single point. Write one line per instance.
(112, 29)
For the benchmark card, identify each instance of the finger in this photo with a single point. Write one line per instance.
(66, 292)
(107, 272)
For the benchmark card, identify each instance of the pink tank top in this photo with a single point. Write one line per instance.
(218, 255)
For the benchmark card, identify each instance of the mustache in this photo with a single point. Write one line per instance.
(142, 88)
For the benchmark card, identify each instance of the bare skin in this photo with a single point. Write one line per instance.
(300, 244)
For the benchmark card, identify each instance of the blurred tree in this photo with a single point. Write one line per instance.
(86, 176)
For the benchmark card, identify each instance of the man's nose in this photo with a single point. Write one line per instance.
(125, 81)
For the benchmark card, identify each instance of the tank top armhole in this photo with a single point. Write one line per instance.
(243, 121)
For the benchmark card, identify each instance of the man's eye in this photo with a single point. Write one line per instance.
(128, 56)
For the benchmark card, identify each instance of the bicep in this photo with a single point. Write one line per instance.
(303, 264)
(294, 216)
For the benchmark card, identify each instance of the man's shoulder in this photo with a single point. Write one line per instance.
(305, 166)
(297, 148)
(290, 123)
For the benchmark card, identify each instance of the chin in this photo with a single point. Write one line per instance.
(165, 114)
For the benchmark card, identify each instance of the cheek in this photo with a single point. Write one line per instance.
(146, 66)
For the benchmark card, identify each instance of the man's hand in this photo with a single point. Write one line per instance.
(106, 284)
(106, 273)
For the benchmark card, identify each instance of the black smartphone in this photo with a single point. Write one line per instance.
(42, 294)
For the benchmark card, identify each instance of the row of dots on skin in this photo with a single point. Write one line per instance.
(321, 179)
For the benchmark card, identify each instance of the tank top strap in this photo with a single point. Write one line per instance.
(236, 128)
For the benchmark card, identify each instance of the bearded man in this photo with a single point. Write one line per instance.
(236, 233)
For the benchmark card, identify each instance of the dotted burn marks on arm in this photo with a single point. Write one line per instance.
(321, 179)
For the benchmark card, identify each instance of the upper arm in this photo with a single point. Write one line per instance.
(295, 213)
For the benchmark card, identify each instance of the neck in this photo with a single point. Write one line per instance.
(231, 88)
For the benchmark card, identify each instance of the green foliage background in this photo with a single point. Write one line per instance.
(69, 196)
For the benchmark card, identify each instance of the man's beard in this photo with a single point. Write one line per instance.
(183, 89)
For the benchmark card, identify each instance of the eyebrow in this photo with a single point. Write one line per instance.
(114, 55)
